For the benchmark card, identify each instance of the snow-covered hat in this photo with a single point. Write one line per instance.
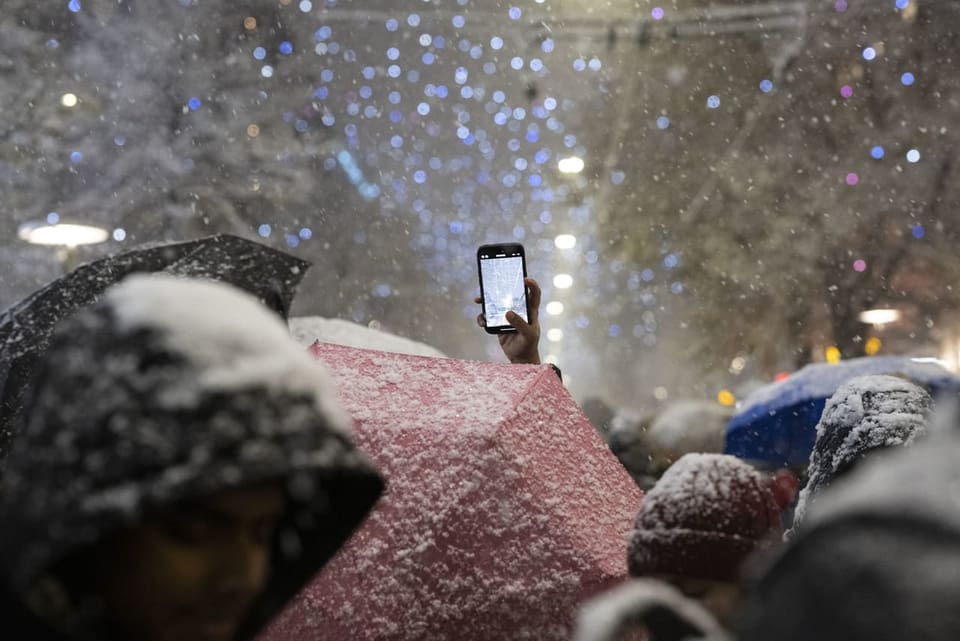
(865, 414)
(703, 518)
(173, 389)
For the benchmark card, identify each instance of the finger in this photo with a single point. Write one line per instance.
(481, 321)
(533, 299)
(478, 300)
(528, 331)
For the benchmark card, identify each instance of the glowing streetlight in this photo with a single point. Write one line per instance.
(68, 100)
(555, 335)
(570, 165)
(554, 308)
(565, 241)
(62, 234)
(879, 316)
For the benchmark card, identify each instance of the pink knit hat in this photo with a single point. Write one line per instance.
(703, 518)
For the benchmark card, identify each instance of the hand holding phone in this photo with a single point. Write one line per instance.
(521, 343)
(502, 289)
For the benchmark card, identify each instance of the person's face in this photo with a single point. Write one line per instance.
(191, 573)
(720, 598)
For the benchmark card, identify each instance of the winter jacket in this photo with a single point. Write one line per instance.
(662, 611)
(878, 557)
(169, 390)
(19, 624)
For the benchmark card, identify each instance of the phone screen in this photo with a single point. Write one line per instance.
(501, 276)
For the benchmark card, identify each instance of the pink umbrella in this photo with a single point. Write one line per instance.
(504, 509)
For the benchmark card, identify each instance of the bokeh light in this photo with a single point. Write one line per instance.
(726, 398)
(570, 165)
(563, 281)
(860, 265)
(565, 241)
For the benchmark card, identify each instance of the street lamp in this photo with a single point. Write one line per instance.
(59, 234)
(570, 165)
(66, 237)
(879, 316)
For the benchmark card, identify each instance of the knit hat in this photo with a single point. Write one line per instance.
(703, 518)
(864, 414)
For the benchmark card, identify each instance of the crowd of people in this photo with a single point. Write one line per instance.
(182, 468)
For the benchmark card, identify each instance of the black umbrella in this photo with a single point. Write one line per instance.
(25, 327)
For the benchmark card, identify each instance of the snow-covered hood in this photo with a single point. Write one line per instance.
(865, 414)
(169, 390)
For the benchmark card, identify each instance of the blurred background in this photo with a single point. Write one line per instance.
(710, 193)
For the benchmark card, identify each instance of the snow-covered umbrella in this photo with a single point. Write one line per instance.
(307, 330)
(26, 326)
(777, 423)
(504, 509)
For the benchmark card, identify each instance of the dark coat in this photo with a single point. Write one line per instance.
(878, 558)
(121, 422)
(19, 624)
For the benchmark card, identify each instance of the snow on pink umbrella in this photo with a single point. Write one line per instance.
(504, 509)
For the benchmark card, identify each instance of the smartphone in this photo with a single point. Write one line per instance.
(502, 270)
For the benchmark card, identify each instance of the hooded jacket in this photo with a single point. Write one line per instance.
(170, 390)
(877, 559)
(865, 414)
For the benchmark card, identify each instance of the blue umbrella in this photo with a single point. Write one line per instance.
(777, 423)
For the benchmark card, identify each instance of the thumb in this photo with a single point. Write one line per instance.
(526, 329)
